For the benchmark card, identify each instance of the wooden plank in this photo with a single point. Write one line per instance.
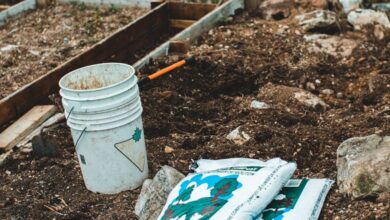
(155, 3)
(3, 7)
(208, 21)
(16, 9)
(189, 11)
(51, 121)
(178, 46)
(180, 23)
(25, 125)
(192, 32)
(162, 50)
(127, 40)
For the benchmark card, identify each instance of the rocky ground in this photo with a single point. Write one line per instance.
(189, 113)
(35, 42)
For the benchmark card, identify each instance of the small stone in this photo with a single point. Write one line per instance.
(238, 137)
(310, 86)
(317, 81)
(259, 105)
(8, 48)
(168, 150)
(34, 52)
(282, 29)
(252, 155)
(339, 95)
(8, 172)
(327, 92)
(310, 100)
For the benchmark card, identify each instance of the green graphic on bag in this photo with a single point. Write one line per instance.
(221, 189)
(286, 200)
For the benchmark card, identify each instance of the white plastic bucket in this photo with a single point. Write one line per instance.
(103, 110)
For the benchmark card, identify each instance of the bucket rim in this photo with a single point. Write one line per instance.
(132, 73)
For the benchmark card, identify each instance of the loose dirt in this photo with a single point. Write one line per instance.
(195, 107)
(41, 39)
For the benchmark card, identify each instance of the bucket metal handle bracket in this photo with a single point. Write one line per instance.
(82, 132)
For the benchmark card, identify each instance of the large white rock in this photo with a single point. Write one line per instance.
(290, 96)
(332, 45)
(362, 17)
(154, 193)
(317, 20)
(349, 5)
(276, 9)
(363, 166)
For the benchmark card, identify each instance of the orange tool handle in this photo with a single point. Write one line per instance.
(166, 70)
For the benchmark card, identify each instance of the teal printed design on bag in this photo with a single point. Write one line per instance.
(285, 201)
(220, 188)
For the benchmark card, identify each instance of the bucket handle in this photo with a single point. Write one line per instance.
(82, 132)
(78, 139)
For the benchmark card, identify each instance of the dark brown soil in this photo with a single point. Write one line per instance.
(194, 108)
(47, 37)
(9, 2)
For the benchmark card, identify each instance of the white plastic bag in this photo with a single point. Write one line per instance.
(299, 199)
(227, 189)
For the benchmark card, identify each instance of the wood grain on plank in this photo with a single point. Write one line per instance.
(25, 125)
(178, 46)
(190, 11)
(3, 7)
(180, 23)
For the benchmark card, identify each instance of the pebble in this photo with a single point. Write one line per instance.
(168, 149)
(8, 172)
(9, 48)
(259, 105)
(339, 95)
(310, 86)
(317, 81)
(238, 137)
(327, 92)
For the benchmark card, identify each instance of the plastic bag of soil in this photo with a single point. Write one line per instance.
(299, 199)
(227, 189)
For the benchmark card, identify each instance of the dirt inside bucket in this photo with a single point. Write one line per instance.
(85, 84)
